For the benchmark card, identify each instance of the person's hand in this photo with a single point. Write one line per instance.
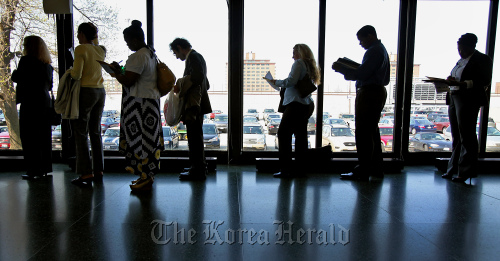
(451, 81)
(336, 67)
(273, 82)
(115, 67)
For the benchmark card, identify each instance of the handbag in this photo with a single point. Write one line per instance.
(305, 86)
(54, 117)
(165, 78)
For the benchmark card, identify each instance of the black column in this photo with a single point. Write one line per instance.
(321, 62)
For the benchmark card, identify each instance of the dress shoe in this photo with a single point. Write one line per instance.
(82, 182)
(142, 184)
(447, 176)
(191, 175)
(462, 180)
(354, 176)
(283, 174)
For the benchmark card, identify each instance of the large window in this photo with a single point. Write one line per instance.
(343, 20)
(435, 55)
(272, 29)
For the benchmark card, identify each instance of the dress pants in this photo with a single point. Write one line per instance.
(293, 122)
(194, 131)
(88, 124)
(370, 101)
(36, 138)
(463, 113)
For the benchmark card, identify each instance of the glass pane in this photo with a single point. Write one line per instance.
(493, 140)
(341, 41)
(208, 35)
(268, 49)
(435, 55)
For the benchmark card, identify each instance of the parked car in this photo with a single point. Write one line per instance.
(56, 138)
(418, 113)
(421, 126)
(110, 113)
(277, 145)
(271, 116)
(250, 119)
(386, 137)
(214, 112)
(220, 121)
(253, 112)
(349, 118)
(492, 139)
(442, 123)
(340, 137)
(311, 125)
(4, 138)
(430, 142)
(111, 139)
(491, 122)
(434, 115)
(386, 122)
(181, 131)
(331, 121)
(265, 112)
(211, 137)
(254, 137)
(273, 126)
(170, 138)
(2, 119)
(108, 122)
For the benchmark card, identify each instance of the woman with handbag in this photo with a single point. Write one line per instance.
(91, 104)
(141, 135)
(297, 106)
(34, 81)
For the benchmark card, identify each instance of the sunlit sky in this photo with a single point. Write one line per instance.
(273, 27)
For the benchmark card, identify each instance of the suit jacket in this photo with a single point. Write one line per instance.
(197, 68)
(34, 81)
(478, 69)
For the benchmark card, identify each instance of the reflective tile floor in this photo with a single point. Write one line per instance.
(239, 214)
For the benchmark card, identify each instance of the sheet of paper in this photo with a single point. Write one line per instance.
(268, 78)
(106, 67)
(441, 87)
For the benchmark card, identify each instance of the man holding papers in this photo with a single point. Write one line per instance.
(371, 77)
(469, 80)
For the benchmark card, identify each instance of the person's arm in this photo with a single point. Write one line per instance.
(128, 79)
(76, 71)
(372, 61)
(19, 74)
(197, 72)
(293, 76)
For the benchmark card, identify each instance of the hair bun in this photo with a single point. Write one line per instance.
(137, 23)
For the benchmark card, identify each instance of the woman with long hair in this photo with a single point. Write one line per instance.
(92, 97)
(297, 111)
(34, 81)
(141, 135)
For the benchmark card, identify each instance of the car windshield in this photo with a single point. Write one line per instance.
(112, 132)
(492, 131)
(167, 132)
(311, 120)
(252, 111)
(4, 129)
(348, 116)
(209, 129)
(423, 122)
(104, 120)
(269, 110)
(221, 118)
(252, 130)
(336, 121)
(250, 120)
(386, 131)
(274, 121)
(274, 116)
(342, 132)
(431, 136)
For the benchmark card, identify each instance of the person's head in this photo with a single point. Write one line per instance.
(134, 36)
(87, 32)
(302, 51)
(35, 46)
(367, 36)
(467, 45)
(180, 47)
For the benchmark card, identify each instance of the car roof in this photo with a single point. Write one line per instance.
(209, 124)
(252, 124)
(339, 126)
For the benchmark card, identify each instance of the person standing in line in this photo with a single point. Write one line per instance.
(91, 102)
(297, 111)
(371, 78)
(469, 80)
(141, 135)
(34, 81)
(196, 68)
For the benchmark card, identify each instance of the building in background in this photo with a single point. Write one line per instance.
(253, 72)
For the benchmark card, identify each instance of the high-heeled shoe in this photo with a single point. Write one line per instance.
(143, 185)
(462, 180)
(82, 182)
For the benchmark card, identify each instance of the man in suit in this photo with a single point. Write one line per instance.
(193, 116)
(469, 80)
(371, 77)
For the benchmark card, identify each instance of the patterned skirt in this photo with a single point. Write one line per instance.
(141, 134)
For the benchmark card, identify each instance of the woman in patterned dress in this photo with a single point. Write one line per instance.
(141, 136)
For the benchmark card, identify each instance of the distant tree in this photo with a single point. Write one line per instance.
(20, 18)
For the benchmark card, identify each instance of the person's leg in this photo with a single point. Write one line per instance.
(285, 133)
(300, 131)
(94, 126)
(467, 111)
(80, 131)
(194, 131)
(456, 143)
